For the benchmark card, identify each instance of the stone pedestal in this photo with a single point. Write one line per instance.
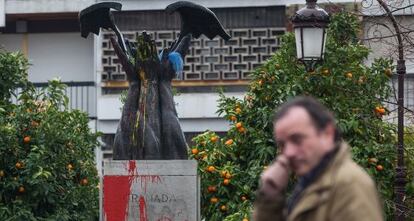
(150, 190)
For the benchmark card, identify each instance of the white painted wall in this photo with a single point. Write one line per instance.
(51, 55)
(388, 47)
(11, 42)
(2, 14)
(64, 55)
(45, 6)
(55, 6)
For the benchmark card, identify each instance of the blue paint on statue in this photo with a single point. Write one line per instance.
(177, 63)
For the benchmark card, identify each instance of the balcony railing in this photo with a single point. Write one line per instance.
(82, 95)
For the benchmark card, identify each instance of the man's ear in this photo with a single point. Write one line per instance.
(329, 131)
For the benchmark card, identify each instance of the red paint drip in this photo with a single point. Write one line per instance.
(142, 209)
(132, 172)
(116, 195)
(132, 167)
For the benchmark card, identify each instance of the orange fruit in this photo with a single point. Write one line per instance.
(380, 110)
(245, 219)
(21, 189)
(214, 200)
(228, 175)
(239, 125)
(2, 173)
(223, 173)
(260, 82)
(379, 167)
(19, 165)
(243, 198)
(211, 189)
(194, 151)
(223, 208)
(213, 139)
(229, 142)
(84, 181)
(211, 169)
(326, 72)
(226, 182)
(233, 118)
(26, 139)
(348, 75)
(69, 166)
(241, 129)
(238, 110)
(388, 72)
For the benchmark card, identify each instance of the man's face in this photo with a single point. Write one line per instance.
(300, 141)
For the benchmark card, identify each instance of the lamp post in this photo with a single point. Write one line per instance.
(400, 170)
(310, 24)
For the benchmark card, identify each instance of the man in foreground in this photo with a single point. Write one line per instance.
(331, 186)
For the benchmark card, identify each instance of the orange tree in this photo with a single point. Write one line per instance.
(47, 169)
(230, 166)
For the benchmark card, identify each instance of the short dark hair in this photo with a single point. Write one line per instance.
(319, 114)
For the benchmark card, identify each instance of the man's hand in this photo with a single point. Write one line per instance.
(275, 178)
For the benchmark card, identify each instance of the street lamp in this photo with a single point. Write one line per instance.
(400, 170)
(310, 24)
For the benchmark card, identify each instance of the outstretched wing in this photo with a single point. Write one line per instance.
(197, 20)
(97, 16)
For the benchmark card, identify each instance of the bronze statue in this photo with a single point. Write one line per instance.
(149, 127)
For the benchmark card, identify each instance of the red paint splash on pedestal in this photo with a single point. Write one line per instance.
(116, 196)
(142, 209)
(117, 190)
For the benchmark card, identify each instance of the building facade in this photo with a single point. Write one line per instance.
(47, 32)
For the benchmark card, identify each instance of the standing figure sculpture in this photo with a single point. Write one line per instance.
(149, 127)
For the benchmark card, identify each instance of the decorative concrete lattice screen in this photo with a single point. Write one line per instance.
(207, 59)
